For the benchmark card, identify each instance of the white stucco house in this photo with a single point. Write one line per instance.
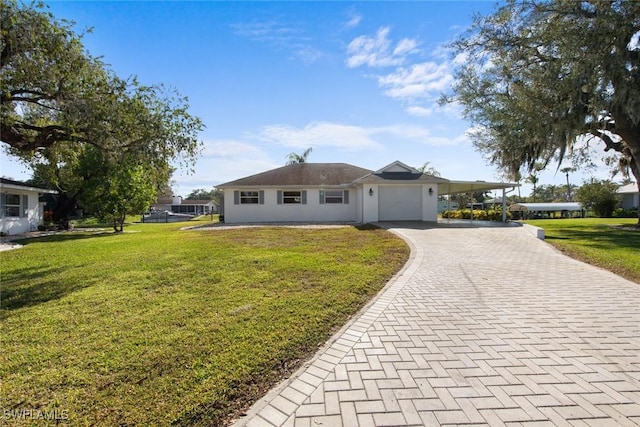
(20, 209)
(630, 196)
(340, 192)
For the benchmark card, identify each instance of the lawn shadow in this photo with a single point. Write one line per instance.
(603, 238)
(65, 236)
(30, 287)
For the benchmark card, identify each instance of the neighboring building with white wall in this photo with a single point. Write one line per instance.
(20, 208)
(339, 192)
(630, 196)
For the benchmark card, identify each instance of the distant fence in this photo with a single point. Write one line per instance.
(165, 217)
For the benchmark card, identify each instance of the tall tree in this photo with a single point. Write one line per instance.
(61, 109)
(545, 78)
(293, 158)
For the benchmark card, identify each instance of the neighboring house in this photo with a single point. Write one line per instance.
(630, 196)
(340, 192)
(185, 206)
(20, 207)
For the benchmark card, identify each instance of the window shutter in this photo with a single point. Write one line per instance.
(236, 197)
(304, 197)
(321, 197)
(279, 197)
(261, 197)
(3, 199)
(345, 199)
(25, 205)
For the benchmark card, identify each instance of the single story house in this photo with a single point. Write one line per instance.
(546, 210)
(20, 207)
(179, 205)
(630, 196)
(340, 192)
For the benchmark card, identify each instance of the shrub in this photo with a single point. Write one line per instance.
(481, 215)
(625, 213)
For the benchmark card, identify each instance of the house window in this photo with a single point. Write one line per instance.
(334, 197)
(249, 197)
(11, 205)
(292, 197)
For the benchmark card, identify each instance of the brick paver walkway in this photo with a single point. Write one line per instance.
(485, 326)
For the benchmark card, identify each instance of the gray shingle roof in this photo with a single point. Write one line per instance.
(303, 174)
(400, 176)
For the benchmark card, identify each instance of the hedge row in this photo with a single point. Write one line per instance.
(482, 215)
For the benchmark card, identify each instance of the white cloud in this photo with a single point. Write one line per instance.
(354, 20)
(424, 80)
(419, 111)
(317, 134)
(222, 161)
(378, 51)
(280, 37)
(350, 137)
(266, 31)
(405, 46)
(421, 135)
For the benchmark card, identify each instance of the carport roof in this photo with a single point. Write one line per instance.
(456, 187)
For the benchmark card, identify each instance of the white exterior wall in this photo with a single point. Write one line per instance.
(430, 203)
(362, 207)
(271, 211)
(630, 201)
(370, 204)
(17, 225)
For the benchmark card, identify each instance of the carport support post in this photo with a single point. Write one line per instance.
(504, 205)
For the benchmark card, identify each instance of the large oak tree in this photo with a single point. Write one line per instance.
(545, 79)
(73, 120)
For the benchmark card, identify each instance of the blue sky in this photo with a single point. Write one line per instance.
(356, 81)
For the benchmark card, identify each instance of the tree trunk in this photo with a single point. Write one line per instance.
(631, 136)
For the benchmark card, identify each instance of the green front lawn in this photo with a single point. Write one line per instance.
(610, 243)
(157, 326)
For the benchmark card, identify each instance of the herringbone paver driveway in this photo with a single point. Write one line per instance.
(485, 326)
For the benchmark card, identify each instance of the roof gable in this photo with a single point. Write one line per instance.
(400, 172)
(303, 174)
(397, 167)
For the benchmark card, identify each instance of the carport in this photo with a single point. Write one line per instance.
(469, 187)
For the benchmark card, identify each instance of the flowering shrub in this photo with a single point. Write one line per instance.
(482, 215)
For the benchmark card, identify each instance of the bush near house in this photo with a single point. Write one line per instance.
(479, 214)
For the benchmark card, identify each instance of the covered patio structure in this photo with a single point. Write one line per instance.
(546, 210)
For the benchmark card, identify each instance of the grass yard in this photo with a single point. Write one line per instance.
(158, 326)
(610, 243)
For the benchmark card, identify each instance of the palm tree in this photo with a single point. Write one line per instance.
(533, 179)
(567, 171)
(293, 158)
(429, 170)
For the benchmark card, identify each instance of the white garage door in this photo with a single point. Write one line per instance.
(399, 203)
